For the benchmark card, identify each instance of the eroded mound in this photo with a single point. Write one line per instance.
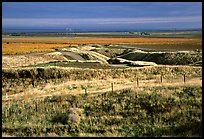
(166, 58)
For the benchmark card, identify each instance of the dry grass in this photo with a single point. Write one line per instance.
(6, 135)
(19, 60)
(28, 48)
(108, 40)
(41, 44)
(100, 86)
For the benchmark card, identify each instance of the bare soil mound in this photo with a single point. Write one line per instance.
(166, 58)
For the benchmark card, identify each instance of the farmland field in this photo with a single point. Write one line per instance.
(42, 43)
(102, 86)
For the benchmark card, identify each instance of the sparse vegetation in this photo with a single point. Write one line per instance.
(122, 113)
(90, 87)
(24, 77)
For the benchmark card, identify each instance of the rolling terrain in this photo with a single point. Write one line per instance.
(102, 86)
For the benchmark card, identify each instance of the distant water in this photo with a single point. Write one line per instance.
(78, 31)
(31, 30)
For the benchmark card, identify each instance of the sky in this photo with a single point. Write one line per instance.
(101, 15)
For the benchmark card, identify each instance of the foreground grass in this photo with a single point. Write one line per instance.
(154, 111)
(17, 79)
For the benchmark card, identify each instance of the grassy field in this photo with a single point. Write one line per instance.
(104, 40)
(75, 92)
(18, 79)
(163, 111)
(29, 48)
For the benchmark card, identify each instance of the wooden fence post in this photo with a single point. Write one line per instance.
(102, 99)
(184, 78)
(137, 82)
(9, 106)
(112, 87)
(36, 105)
(160, 117)
(41, 103)
(85, 90)
(161, 77)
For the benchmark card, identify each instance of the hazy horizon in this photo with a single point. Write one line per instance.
(101, 16)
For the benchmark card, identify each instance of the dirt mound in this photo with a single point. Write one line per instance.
(130, 62)
(90, 55)
(167, 58)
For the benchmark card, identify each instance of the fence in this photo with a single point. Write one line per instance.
(138, 81)
(40, 106)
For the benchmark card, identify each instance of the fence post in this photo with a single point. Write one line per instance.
(102, 99)
(41, 103)
(9, 106)
(36, 105)
(137, 82)
(184, 78)
(85, 90)
(112, 87)
(160, 117)
(161, 77)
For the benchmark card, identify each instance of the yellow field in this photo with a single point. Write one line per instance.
(28, 48)
(107, 40)
(46, 44)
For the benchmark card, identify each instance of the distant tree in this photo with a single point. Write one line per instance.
(144, 33)
(131, 32)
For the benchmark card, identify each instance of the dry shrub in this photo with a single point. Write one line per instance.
(75, 115)
(72, 117)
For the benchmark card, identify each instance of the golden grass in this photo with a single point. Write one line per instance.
(44, 44)
(106, 40)
(101, 86)
(28, 48)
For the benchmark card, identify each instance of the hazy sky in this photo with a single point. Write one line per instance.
(102, 15)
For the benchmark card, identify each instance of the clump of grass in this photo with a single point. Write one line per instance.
(72, 116)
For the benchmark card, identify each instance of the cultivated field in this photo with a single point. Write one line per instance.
(47, 44)
(86, 86)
